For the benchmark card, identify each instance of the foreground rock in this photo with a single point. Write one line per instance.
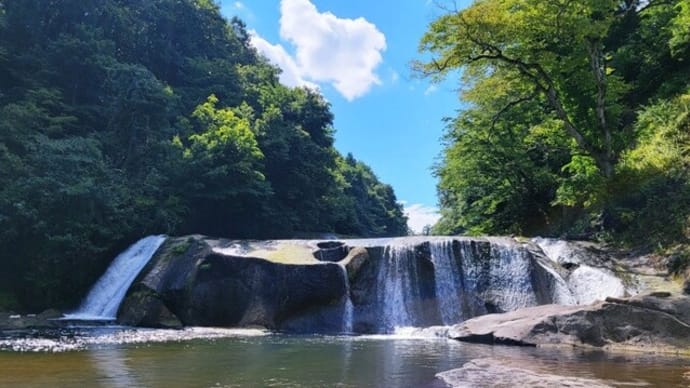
(488, 372)
(46, 319)
(657, 322)
(188, 283)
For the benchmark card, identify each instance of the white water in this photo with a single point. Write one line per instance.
(586, 283)
(117, 335)
(397, 279)
(447, 276)
(472, 280)
(510, 277)
(106, 295)
(348, 308)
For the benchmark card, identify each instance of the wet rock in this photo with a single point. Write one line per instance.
(144, 307)
(644, 322)
(331, 251)
(46, 319)
(488, 372)
(200, 287)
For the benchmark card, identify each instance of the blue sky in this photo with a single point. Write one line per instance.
(357, 53)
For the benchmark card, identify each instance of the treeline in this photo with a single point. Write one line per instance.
(577, 121)
(122, 118)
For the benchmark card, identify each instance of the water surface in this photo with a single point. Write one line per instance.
(121, 357)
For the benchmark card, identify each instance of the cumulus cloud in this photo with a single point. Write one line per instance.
(276, 54)
(338, 51)
(419, 216)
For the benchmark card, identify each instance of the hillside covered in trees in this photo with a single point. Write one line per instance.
(124, 118)
(577, 118)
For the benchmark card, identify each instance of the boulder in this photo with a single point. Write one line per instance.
(652, 323)
(144, 307)
(490, 372)
(46, 320)
(187, 281)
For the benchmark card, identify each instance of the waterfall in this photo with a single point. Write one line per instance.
(106, 295)
(448, 285)
(397, 279)
(509, 278)
(348, 308)
(443, 281)
(589, 281)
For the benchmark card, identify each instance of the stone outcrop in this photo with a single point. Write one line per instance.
(657, 322)
(187, 282)
(361, 286)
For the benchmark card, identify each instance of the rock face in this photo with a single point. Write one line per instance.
(652, 322)
(189, 282)
(361, 286)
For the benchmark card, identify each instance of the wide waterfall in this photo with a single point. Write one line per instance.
(370, 286)
(443, 281)
(106, 295)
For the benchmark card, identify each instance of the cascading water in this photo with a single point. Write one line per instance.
(471, 277)
(348, 308)
(106, 295)
(586, 283)
(397, 278)
(509, 277)
(448, 281)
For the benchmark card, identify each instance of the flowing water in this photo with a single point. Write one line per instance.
(121, 357)
(462, 275)
(106, 295)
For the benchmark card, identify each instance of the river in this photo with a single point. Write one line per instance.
(125, 357)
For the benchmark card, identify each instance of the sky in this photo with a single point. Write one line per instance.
(357, 53)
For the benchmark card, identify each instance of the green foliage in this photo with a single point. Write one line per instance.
(553, 139)
(120, 119)
(370, 207)
(653, 187)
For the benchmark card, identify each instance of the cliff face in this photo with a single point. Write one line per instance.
(361, 286)
(188, 280)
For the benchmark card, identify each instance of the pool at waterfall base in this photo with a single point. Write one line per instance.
(375, 330)
(113, 356)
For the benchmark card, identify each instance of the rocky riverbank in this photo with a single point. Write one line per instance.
(658, 322)
(45, 320)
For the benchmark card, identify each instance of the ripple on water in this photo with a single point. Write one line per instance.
(72, 339)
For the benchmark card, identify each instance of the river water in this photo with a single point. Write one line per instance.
(122, 357)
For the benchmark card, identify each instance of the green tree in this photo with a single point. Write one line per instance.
(552, 90)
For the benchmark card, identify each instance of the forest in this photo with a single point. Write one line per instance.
(122, 118)
(575, 119)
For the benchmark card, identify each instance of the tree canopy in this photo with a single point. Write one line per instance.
(555, 91)
(124, 118)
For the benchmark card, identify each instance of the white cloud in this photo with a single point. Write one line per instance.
(339, 51)
(276, 54)
(419, 216)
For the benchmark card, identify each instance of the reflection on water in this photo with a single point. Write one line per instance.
(302, 361)
(112, 368)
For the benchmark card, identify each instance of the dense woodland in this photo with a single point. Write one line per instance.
(576, 118)
(122, 118)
